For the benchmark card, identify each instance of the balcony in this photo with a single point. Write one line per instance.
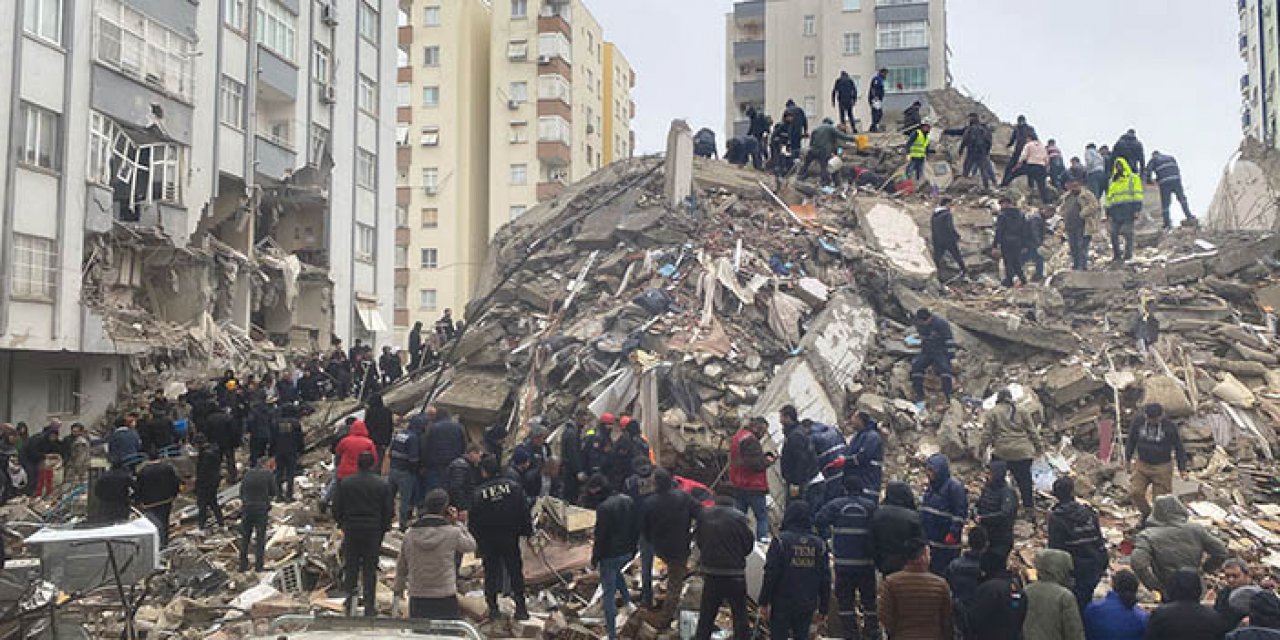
(553, 24)
(752, 91)
(749, 14)
(913, 12)
(748, 51)
(274, 160)
(555, 153)
(277, 73)
(549, 190)
(893, 58)
(555, 107)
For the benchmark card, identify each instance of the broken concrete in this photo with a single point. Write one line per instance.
(679, 163)
(892, 232)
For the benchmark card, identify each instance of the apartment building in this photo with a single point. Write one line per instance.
(1261, 55)
(503, 104)
(778, 50)
(187, 173)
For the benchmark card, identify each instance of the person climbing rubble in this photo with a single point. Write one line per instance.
(1156, 443)
(797, 577)
(1022, 133)
(846, 521)
(1123, 201)
(1014, 438)
(668, 525)
(1129, 149)
(823, 145)
(975, 145)
(1164, 169)
(943, 511)
(1074, 528)
(748, 468)
(918, 148)
(844, 94)
(1081, 215)
(945, 238)
(875, 99)
(1010, 242)
(936, 347)
(1169, 543)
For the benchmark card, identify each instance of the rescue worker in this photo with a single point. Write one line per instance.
(1164, 168)
(823, 145)
(780, 153)
(1157, 444)
(667, 525)
(286, 445)
(208, 477)
(799, 462)
(894, 524)
(158, 485)
(829, 446)
(797, 577)
(256, 492)
(943, 511)
(748, 467)
(405, 464)
(936, 344)
(1122, 203)
(995, 511)
(844, 94)
(1022, 133)
(622, 449)
(363, 507)
(946, 240)
(498, 519)
(1171, 542)
(917, 150)
(864, 457)
(1010, 241)
(1073, 527)
(1052, 612)
(724, 541)
(1014, 438)
(848, 521)
(641, 487)
(875, 98)
(975, 145)
(1081, 214)
(613, 546)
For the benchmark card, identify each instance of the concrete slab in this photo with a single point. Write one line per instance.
(679, 169)
(476, 397)
(1014, 329)
(1069, 383)
(894, 233)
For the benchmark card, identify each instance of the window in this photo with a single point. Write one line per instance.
(852, 44)
(431, 56)
(39, 144)
(430, 96)
(319, 143)
(519, 92)
(402, 58)
(402, 257)
(403, 93)
(517, 210)
(130, 43)
(64, 391)
(102, 137)
(902, 35)
(427, 299)
(35, 267)
(553, 86)
(402, 216)
(401, 298)
(852, 5)
(811, 25)
(233, 14)
(430, 258)
(907, 80)
(430, 136)
(232, 95)
(367, 95)
(519, 174)
(518, 50)
(367, 22)
(166, 163)
(431, 180)
(366, 241)
(554, 129)
(554, 45)
(590, 80)
(277, 28)
(519, 132)
(810, 66)
(366, 169)
(431, 16)
(320, 65)
(810, 106)
(519, 9)
(43, 18)
(430, 218)
(151, 172)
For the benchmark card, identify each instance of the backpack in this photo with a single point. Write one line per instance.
(704, 143)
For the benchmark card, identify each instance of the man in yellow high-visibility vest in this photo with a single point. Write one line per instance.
(916, 152)
(1122, 202)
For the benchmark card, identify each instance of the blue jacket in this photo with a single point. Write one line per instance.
(797, 576)
(404, 448)
(1109, 619)
(847, 520)
(864, 458)
(936, 335)
(799, 462)
(123, 446)
(828, 445)
(945, 504)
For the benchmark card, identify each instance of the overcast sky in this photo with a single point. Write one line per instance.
(1081, 71)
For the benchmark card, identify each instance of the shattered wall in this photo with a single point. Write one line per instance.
(1248, 194)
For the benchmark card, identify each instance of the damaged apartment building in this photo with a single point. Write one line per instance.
(188, 186)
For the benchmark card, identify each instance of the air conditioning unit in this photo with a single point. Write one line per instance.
(514, 104)
(544, 59)
(328, 15)
(328, 94)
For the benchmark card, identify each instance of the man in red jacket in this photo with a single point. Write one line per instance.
(748, 472)
(350, 448)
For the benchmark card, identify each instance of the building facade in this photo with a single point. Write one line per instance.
(779, 50)
(503, 104)
(183, 172)
(1261, 55)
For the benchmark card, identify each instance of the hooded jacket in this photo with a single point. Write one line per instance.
(997, 611)
(944, 506)
(997, 507)
(864, 458)
(797, 574)
(828, 446)
(1123, 199)
(1170, 543)
(378, 420)
(1129, 148)
(286, 438)
(1073, 527)
(1156, 441)
(349, 449)
(725, 539)
(1184, 618)
(894, 524)
(848, 520)
(616, 528)
(942, 228)
(208, 471)
(845, 90)
(1052, 610)
(964, 575)
(426, 565)
(447, 441)
(1011, 433)
(1110, 619)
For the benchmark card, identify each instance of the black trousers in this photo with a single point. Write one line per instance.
(159, 515)
(812, 156)
(1122, 233)
(856, 586)
(1009, 173)
(941, 251)
(789, 623)
(1173, 188)
(206, 503)
(502, 558)
(257, 449)
(360, 551)
(1036, 175)
(253, 524)
(716, 590)
(1021, 472)
(435, 608)
(876, 115)
(286, 469)
(941, 363)
(979, 164)
(229, 458)
(1012, 257)
(846, 111)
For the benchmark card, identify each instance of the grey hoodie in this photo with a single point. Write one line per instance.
(1052, 611)
(1170, 543)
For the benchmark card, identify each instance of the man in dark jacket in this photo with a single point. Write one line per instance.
(258, 422)
(1010, 241)
(256, 493)
(1165, 170)
(895, 522)
(942, 513)
(875, 98)
(1155, 440)
(964, 575)
(998, 608)
(124, 446)
(222, 430)
(739, 150)
(1022, 134)
(642, 486)
(780, 153)
(758, 126)
(845, 94)
(445, 441)
(975, 144)
(1129, 148)
(391, 367)
(797, 577)
(1264, 619)
(1183, 617)
(362, 507)
(498, 519)
(823, 144)
(406, 467)
(1073, 527)
(614, 546)
(864, 457)
(1037, 229)
(799, 462)
(667, 525)
(848, 518)
(380, 423)
(158, 486)
(157, 434)
(208, 477)
(286, 445)
(724, 541)
(799, 121)
(463, 476)
(995, 510)
(936, 345)
(112, 491)
(946, 240)
(572, 466)
(1235, 574)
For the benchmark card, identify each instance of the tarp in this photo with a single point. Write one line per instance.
(370, 317)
